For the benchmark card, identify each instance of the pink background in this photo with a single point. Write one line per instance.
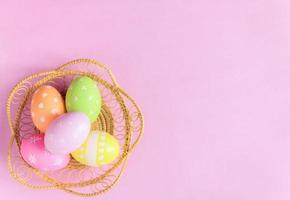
(212, 78)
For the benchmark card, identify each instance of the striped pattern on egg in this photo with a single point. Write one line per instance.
(100, 148)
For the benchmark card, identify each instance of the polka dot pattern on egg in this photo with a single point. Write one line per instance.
(46, 105)
(84, 96)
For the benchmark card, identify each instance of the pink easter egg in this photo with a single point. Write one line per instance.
(67, 133)
(34, 153)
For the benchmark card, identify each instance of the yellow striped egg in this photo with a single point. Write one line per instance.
(100, 148)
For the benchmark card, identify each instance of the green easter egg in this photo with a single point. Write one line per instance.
(83, 95)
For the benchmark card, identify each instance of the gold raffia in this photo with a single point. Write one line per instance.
(120, 116)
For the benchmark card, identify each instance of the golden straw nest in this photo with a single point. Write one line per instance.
(120, 116)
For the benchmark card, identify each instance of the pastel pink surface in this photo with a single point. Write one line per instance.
(35, 154)
(67, 133)
(212, 78)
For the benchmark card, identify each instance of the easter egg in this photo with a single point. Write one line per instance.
(67, 133)
(100, 148)
(34, 153)
(84, 96)
(46, 105)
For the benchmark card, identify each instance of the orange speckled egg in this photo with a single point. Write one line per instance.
(46, 105)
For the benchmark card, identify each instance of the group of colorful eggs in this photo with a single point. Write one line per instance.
(65, 128)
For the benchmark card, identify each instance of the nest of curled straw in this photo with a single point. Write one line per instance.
(120, 116)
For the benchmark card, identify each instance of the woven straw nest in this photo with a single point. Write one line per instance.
(120, 116)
